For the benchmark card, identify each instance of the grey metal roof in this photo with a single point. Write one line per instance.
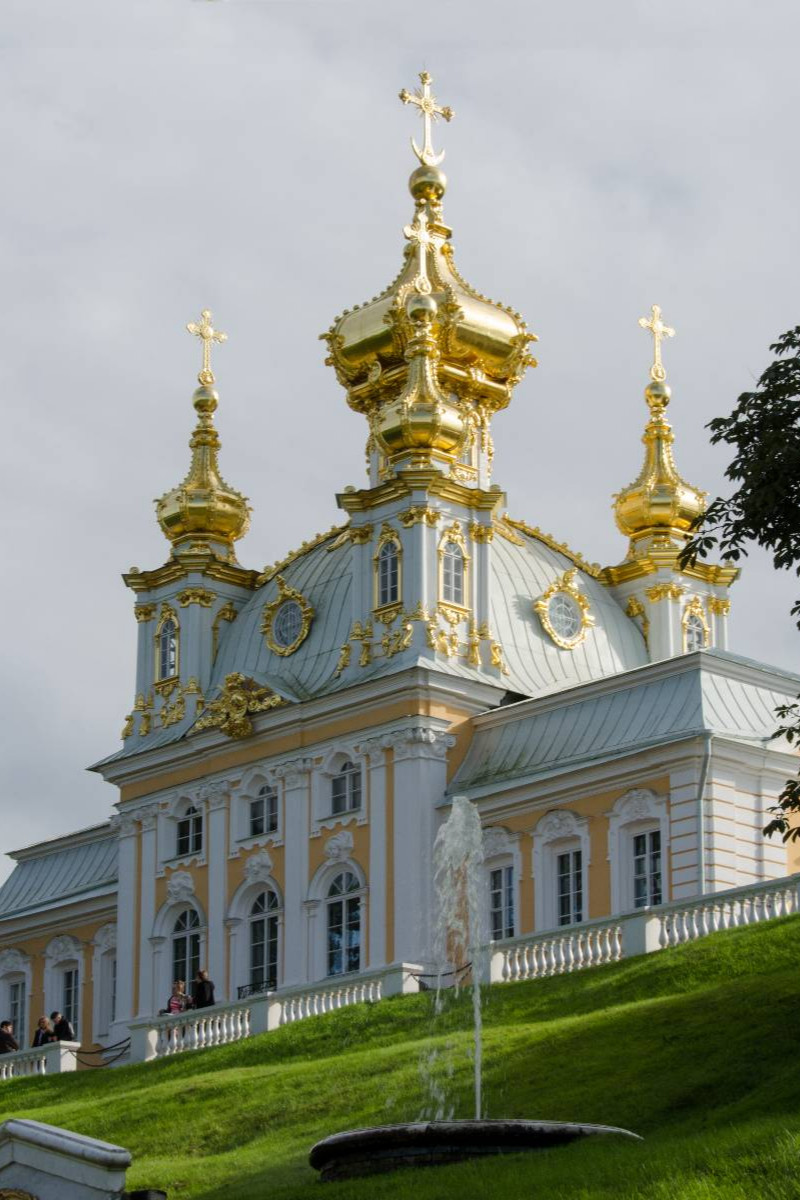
(60, 872)
(703, 693)
(520, 574)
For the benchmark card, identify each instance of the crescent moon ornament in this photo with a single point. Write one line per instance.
(430, 111)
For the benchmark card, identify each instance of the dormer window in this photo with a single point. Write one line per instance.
(264, 812)
(388, 574)
(694, 633)
(190, 832)
(167, 650)
(346, 788)
(453, 574)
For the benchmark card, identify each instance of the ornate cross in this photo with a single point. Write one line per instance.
(206, 331)
(659, 330)
(430, 111)
(419, 234)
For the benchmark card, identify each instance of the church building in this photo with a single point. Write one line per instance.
(296, 734)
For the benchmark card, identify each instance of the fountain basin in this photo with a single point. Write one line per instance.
(431, 1143)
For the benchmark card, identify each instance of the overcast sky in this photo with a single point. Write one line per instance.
(252, 157)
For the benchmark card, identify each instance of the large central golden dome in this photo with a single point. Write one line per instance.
(430, 322)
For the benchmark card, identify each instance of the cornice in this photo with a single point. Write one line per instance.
(428, 482)
(719, 574)
(82, 837)
(176, 569)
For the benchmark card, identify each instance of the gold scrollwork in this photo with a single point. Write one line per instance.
(718, 606)
(565, 585)
(481, 533)
(360, 534)
(692, 613)
(665, 591)
(127, 728)
(417, 514)
(344, 658)
(286, 594)
(144, 612)
(635, 609)
(226, 613)
(239, 699)
(395, 643)
(196, 595)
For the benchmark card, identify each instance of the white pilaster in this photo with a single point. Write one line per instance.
(295, 777)
(126, 918)
(377, 852)
(420, 778)
(216, 798)
(147, 906)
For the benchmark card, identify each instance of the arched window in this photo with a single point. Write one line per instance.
(190, 832)
(453, 574)
(186, 946)
(344, 924)
(388, 574)
(346, 788)
(167, 650)
(264, 942)
(694, 633)
(264, 811)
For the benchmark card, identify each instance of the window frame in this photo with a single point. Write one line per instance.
(168, 616)
(192, 819)
(504, 888)
(342, 905)
(190, 935)
(269, 918)
(388, 592)
(347, 780)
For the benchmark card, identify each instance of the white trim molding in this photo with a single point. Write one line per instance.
(639, 810)
(558, 832)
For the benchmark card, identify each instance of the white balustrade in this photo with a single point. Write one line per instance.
(558, 952)
(323, 998)
(43, 1060)
(592, 943)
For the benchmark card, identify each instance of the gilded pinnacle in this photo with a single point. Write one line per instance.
(208, 334)
(430, 111)
(659, 330)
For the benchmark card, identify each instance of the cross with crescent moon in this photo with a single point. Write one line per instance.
(419, 235)
(430, 111)
(208, 334)
(659, 330)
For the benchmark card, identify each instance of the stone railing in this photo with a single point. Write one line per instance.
(158, 1037)
(43, 1060)
(592, 943)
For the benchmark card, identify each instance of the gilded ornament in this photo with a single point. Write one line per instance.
(665, 591)
(127, 728)
(481, 533)
(452, 614)
(659, 331)
(568, 624)
(208, 335)
(173, 710)
(635, 609)
(419, 613)
(344, 658)
(417, 514)
(196, 595)
(395, 643)
(298, 626)
(144, 612)
(718, 606)
(360, 534)
(474, 646)
(144, 724)
(239, 699)
(430, 111)
(533, 531)
(226, 613)
(388, 613)
(496, 657)
(270, 572)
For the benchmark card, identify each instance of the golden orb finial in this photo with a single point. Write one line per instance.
(208, 334)
(659, 331)
(204, 512)
(430, 111)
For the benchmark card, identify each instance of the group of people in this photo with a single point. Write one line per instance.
(202, 994)
(55, 1028)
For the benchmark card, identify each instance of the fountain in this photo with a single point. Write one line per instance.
(460, 938)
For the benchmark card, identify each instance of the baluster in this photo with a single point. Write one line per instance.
(569, 953)
(526, 960)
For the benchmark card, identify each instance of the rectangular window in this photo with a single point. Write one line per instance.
(17, 1010)
(264, 954)
(339, 794)
(501, 903)
(344, 935)
(258, 820)
(190, 834)
(69, 994)
(570, 888)
(355, 790)
(647, 869)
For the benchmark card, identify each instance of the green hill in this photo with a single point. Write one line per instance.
(695, 1048)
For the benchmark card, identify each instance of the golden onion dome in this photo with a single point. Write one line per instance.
(659, 503)
(477, 349)
(203, 513)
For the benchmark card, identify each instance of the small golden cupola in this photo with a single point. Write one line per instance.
(429, 360)
(657, 510)
(203, 514)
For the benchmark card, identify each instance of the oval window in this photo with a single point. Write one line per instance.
(287, 624)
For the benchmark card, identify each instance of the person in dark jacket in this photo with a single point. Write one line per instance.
(62, 1028)
(202, 990)
(43, 1034)
(8, 1043)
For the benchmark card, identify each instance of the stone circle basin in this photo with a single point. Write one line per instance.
(431, 1143)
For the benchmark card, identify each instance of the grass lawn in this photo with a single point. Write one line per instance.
(695, 1048)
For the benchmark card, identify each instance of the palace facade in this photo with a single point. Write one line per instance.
(296, 734)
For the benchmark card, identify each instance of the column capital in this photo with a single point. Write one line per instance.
(293, 772)
(215, 793)
(421, 741)
(149, 816)
(124, 825)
